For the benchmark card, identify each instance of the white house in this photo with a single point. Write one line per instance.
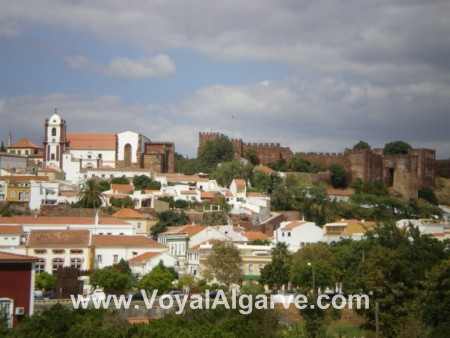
(145, 262)
(11, 239)
(59, 248)
(297, 234)
(43, 193)
(110, 249)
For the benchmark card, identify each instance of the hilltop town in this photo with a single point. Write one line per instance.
(81, 203)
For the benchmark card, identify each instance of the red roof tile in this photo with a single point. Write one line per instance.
(10, 257)
(24, 220)
(59, 238)
(252, 235)
(24, 143)
(123, 240)
(123, 188)
(239, 182)
(91, 141)
(189, 229)
(144, 257)
(293, 225)
(128, 213)
(10, 229)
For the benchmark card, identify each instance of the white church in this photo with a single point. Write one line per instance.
(74, 153)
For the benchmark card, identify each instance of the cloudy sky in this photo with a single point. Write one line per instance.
(312, 75)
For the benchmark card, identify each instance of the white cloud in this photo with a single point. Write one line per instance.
(325, 114)
(159, 66)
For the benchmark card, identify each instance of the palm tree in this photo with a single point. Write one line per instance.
(90, 195)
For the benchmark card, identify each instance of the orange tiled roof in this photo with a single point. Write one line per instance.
(124, 188)
(6, 256)
(252, 235)
(124, 240)
(59, 238)
(24, 143)
(256, 194)
(189, 229)
(265, 169)
(128, 213)
(91, 141)
(188, 192)
(293, 225)
(206, 194)
(341, 192)
(144, 257)
(240, 182)
(10, 229)
(60, 220)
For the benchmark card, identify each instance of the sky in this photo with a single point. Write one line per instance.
(311, 75)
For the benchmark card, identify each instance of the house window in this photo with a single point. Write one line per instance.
(40, 251)
(40, 265)
(282, 234)
(250, 269)
(53, 131)
(76, 251)
(13, 194)
(260, 267)
(289, 234)
(19, 152)
(99, 258)
(75, 263)
(52, 157)
(139, 225)
(116, 259)
(27, 152)
(58, 251)
(57, 262)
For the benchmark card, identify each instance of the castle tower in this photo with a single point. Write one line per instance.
(54, 140)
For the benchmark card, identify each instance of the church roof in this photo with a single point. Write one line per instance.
(91, 141)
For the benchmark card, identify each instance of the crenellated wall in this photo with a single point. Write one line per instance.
(404, 173)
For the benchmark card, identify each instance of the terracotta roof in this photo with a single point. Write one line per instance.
(10, 229)
(144, 257)
(128, 213)
(184, 178)
(26, 178)
(188, 192)
(24, 143)
(124, 188)
(293, 225)
(229, 194)
(24, 220)
(341, 192)
(252, 235)
(91, 141)
(240, 182)
(10, 257)
(189, 229)
(206, 194)
(124, 241)
(59, 238)
(265, 169)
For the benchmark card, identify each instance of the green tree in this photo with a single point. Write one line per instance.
(45, 281)
(280, 165)
(111, 279)
(120, 180)
(90, 195)
(362, 145)
(215, 152)
(298, 165)
(227, 171)
(396, 147)
(160, 278)
(104, 185)
(224, 263)
(143, 182)
(2, 147)
(165, 219)
(125, 202)
(338, 175)
(252, 156)
(428, 195)
(276, 273)
(265, 182)
(187, 166)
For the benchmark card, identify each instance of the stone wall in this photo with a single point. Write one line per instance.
(442, 168)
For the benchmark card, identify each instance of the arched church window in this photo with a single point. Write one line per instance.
(52, 157)
(53, 131)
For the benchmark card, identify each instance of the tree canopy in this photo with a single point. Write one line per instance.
(214, 152)
(224, 263)
(160, 278)
(362, 145)
(143, 182)
(396, 147)
(90, 195)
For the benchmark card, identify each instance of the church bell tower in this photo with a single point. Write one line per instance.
(54, 140)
